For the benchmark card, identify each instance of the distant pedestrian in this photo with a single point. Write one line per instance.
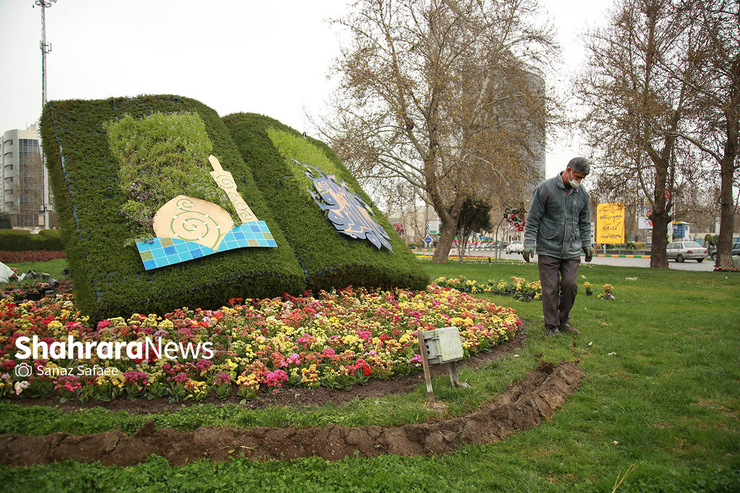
(559, 227)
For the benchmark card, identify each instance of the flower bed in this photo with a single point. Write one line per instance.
(13, 257)
(27, 290)
(518, 287)
(336, 340)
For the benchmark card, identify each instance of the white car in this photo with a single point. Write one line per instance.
(515, 247)
(686, 250)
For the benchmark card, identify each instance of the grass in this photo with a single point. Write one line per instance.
(53, 267)
(657, 411)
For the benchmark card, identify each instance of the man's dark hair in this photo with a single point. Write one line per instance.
(580, 165)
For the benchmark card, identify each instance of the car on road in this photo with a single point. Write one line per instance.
(686, 250)
(713, 250)
(515, 247)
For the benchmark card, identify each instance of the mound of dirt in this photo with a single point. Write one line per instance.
(522, 406)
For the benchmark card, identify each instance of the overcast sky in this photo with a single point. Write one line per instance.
(234, 56)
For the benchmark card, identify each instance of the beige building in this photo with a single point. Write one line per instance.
(22, 191)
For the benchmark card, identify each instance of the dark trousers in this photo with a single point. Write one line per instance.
(559, 279)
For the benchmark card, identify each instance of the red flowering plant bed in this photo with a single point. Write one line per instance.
(334, 340)
(11, 257)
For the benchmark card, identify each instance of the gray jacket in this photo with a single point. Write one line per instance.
(559, 220)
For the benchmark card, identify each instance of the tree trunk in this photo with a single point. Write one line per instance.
(462, 247)
(658, 257)
(444, 245)
(726, 215)
(449, 227)
(727, 171)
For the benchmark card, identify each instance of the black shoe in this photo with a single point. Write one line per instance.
(568, 329)
(552, 331)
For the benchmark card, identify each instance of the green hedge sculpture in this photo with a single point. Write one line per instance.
(91, 165)
(277, 156)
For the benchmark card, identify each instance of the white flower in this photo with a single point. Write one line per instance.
(20, 387)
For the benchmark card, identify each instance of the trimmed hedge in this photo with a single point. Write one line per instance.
(18, 240)
(330, 259)
(109, 277)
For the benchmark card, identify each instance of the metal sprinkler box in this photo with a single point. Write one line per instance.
(443, 345)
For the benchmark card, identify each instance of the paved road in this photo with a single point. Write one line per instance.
(692, 265)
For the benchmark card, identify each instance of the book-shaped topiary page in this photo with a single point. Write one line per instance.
(338, 234)
(158, 209)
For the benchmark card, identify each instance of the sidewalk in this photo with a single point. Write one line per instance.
(472, 254)
(619, 255)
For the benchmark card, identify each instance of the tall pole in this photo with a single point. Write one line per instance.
(45, 48)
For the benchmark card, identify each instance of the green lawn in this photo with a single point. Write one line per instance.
(659, 405)
(54, 268)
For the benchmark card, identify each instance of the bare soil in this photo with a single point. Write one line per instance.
(522, 406)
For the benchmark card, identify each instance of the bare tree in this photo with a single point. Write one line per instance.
(442, 94)
(716, 102)
(636, 105)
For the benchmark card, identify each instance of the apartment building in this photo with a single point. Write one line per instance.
(21, 193)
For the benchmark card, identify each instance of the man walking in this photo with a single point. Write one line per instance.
(559, 226)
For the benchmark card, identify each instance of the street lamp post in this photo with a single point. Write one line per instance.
(45, 48)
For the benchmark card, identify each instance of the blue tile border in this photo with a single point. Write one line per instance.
(161, 252)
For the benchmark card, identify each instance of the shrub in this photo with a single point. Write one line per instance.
(5, 221)
(109, 277)
(19, 240)
(330, 259)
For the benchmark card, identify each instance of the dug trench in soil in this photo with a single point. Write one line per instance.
(522, 406)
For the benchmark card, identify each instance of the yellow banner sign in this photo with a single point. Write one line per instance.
(610, 223)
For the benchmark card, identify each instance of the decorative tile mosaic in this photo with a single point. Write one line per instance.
(161, 252)
(349, 214)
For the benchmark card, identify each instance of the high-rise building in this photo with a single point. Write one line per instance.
(21, 189)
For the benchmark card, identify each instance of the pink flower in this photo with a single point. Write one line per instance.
(136, 377)
(179, 378)
(68, 382)
(275, 379)
(365, 335)
(306, 340)
(204, 364)
(222, 378)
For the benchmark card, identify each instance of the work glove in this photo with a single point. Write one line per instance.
(527, 253)
(589, 253)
